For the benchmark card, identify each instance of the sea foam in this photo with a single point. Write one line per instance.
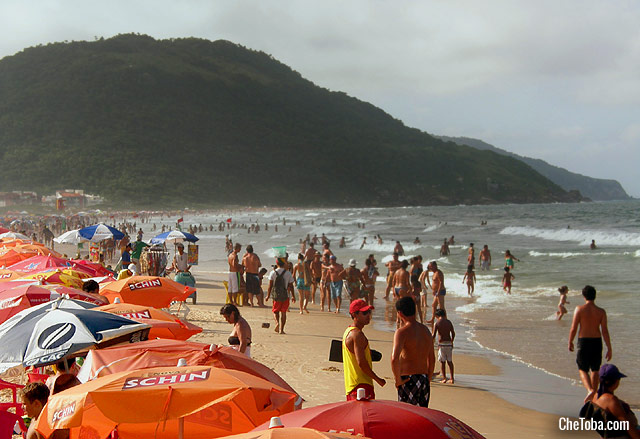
(584, 237)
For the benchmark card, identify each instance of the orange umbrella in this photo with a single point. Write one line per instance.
(12, 242)
(12, 255)
(165, 403)
(38, 249)
(292, 433)
(154, 291)
(163, 324)
(6, 275)
(160, 352)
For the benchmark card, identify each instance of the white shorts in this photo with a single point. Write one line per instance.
(484, 264)
(247, 351)
(445, 353)
(234, 282)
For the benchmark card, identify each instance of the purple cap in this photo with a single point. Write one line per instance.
(610, 372)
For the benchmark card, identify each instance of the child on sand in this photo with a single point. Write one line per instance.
(563, 300)
(506, 280)
(446, 335)
(470, 279)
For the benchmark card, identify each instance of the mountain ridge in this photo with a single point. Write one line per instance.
(189, 120)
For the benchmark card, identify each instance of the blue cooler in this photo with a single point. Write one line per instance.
(186, 278)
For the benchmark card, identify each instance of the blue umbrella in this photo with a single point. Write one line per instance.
(100, 232)
(173, 236)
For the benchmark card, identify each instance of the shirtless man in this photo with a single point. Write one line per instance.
(398, 249)
(326, 250)
(412, 358)
(444, 249)
(316, 273)
(252, 264)
(401, 283)
(485, 258)
(392, 265)
(437, 286)
(355, 282)
(336, 275)
(235, 273)
(310, 253)
(590, 319)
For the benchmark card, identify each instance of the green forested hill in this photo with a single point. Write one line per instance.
(188, 120)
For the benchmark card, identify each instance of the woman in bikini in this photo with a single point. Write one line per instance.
(240, 337)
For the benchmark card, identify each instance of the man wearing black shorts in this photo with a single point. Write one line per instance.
(590, 319)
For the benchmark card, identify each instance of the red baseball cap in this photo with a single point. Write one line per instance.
(359, 305)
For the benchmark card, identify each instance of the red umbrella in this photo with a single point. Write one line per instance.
(379, 419)
(13, 300)
(98, 269)
(41, 263)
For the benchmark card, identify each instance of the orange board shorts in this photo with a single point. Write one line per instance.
(280, 306)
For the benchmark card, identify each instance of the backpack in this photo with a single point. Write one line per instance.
(281, 293)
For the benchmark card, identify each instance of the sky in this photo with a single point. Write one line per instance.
(556, 80)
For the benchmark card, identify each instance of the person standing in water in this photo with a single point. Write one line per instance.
(508, 260)
(563, 290)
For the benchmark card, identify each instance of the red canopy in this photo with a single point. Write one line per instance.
(379, 419)
(40, 263)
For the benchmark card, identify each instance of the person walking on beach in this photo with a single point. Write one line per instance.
(336, 275)
(316, 273)
(563, 290)
(471, 256)
(369, 274)
(392, 265)
(446, 335)
(412, 358)
(280, 286)
(356, 355)
(485, 258)
(252, 264)
(470, 279)
(302, 278)
(588, 322)
(355, 281)
(437, 286)
(506, 280)
(235, 273)
(401, 281)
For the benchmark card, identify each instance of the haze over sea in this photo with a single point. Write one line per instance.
(552, 241)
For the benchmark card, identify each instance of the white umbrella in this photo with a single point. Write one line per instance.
(70, 237)
(14, 235)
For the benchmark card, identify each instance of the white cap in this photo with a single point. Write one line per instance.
(361, 394)
(182, 362)
(352, 263)
(117, 300)
(275, 423)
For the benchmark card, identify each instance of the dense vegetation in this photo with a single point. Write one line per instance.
(190, 120)
(593, 188)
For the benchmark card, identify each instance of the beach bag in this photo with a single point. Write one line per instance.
(280, 288)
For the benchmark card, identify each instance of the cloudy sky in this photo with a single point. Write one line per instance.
(557, 80)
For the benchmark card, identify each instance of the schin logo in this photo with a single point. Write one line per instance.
(55, 336)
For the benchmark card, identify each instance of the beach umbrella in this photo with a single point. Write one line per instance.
(46, 333)
(189, 402)
(68, 277)
(163, 324)
(11, 255)
(4, 230)
(154, 291)
(173, 236)
(70, 237)
(12, 242)
(159, 352)
(292, 433)
(100, 232)
(39, 263)
(380, 419)
(97, 268)
(37, 249)
(15, 235)
(13, 300)
(7, 275)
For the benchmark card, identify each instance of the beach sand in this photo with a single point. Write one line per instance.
(301, 357)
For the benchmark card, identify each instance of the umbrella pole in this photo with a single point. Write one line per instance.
(181, 428)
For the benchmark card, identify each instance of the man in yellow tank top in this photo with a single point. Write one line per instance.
(356, 356)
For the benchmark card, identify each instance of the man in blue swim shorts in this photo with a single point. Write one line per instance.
(336, 274)
(439, 291)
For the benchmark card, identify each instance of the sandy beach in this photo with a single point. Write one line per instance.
(301, 358)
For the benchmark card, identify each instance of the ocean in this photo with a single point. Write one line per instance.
(551, 240)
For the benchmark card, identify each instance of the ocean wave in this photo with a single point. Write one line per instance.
(374, 247)
(565, 255)
(584, 237)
